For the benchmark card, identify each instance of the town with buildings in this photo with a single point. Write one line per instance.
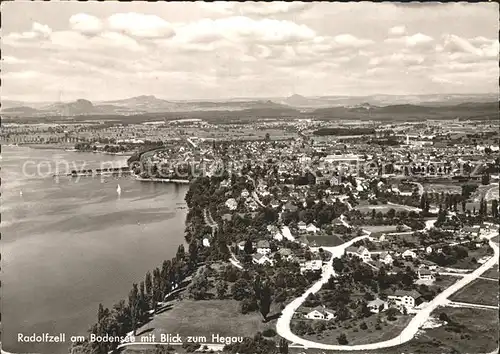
(357, 236)
(256, 177)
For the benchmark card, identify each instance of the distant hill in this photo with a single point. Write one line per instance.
(138, 105)
(80, 106)
(386, 100)
(299, 101)
(147, 103)
(154, 104)
(14, 104)
(23, 110)
(469, 110)
(324, 107)
(6, 104)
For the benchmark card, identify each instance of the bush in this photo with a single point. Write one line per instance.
(301, 328)
(444, 317)
(363, 326)
(269, 332)
(190, 347)
(248, 305)
(342, 339)
(319, 326)
(377, 327)
(391, 313)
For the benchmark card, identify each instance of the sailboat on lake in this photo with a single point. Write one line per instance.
(119, 190)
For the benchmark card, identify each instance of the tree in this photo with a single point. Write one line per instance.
(180, 253)
(467, 190)
(221, 288)
(364, 310)
(240, 289)
(343, 313)
(248, 248)
(485, 179)
(441, 217)
(391, 314)
(148, 283)
(248, 305)
(193, 253)
(264, 299)
(199, 286)
(143, 303)
(424, 203)
(100, 313)
(444, 317)
(283, 346)
(342, 339)
(482, 207)
(133, 302)
(338, 265)
(494, 208)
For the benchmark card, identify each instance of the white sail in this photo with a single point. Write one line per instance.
(119, 190)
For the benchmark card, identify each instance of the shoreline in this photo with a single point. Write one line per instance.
(163, 180)
(68, 148)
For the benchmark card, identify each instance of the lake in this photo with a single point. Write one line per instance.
(69, 244)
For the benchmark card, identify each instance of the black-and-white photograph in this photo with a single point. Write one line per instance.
(249, 177)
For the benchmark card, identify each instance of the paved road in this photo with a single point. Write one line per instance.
(283, 324)
(452, 274)
(407, 207)
(492, 192)
(468, 304)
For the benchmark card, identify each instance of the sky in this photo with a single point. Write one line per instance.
(62, 51)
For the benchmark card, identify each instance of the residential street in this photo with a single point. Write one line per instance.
(283, 324)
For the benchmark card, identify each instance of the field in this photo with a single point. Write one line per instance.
(407, 237)
(207, 317)
(467, 263)
(492, 272)
(356, 335)
(379, 228)
(445, 281)
(384, 208)
(241, 133)
(480, 291)
(325, 240)
(446, 188)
